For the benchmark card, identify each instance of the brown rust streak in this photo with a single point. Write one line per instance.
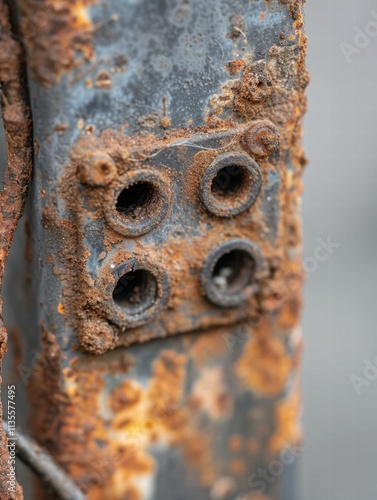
(295, 10)
(17, 124)
(265, 366)
(287, 427)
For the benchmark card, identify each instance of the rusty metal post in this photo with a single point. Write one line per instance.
(166, 244)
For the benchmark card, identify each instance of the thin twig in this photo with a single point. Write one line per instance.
(45, 467)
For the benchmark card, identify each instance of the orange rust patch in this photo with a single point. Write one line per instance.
(289, 313)
(132, 494)
(236, 66)
(288, 430)
(235, 443)
(158, 413)
(264, 366)
(125, 396)
(256, 83)
(61, 309)
(237, 467)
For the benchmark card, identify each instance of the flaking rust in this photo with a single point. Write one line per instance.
(192, 401)
(57, 36)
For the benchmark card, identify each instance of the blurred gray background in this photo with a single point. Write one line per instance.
(339, 461)
(340, 457)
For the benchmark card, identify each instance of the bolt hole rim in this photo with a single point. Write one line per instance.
(156, 301)
(246, 277)
(233, 271)
(231, 165)
(136, 291)
(150, 212)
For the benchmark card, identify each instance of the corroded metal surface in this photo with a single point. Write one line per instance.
(167, 242)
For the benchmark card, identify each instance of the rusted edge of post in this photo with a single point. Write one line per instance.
(18, 130)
